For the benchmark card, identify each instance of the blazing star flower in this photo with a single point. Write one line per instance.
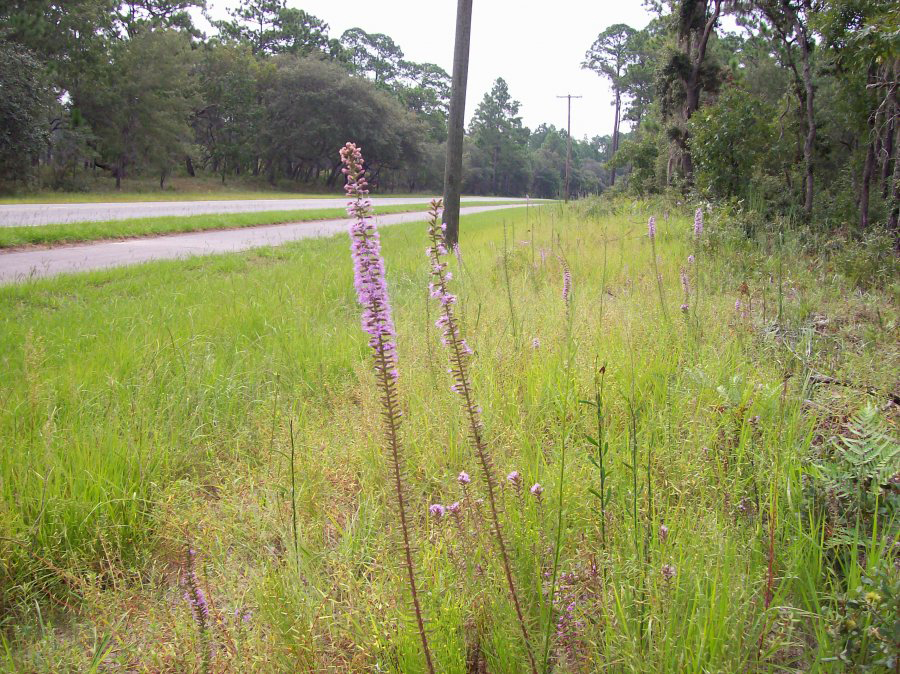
(194, 594)
(537, 490)
(535, 344)
(651, 227)
(691, 259)
(685, 283)
(698, 223)
(684, 308)
(437, 510)
(514, 478)
(454, 507)
(463, 478)
(567, 282)
(737, 305)
(368, 265)
(663, 533)
(668, 572)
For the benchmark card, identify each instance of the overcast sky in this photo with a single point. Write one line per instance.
(536, 46)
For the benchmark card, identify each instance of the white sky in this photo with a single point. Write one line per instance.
(536, 46)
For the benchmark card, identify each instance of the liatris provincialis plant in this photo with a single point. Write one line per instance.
(651, 234)
(564, 436)
(694, 259)
(602, 447)
(371, 289)
(196, 598)
(460, 352)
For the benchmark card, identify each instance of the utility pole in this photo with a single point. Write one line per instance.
(456, 131)
(569, 97)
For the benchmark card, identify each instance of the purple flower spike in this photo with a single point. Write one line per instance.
(651, 227)
(371, 290)
(514, 478)
(368, 266)
(437, 510)
(663, 533)
(668, 572)
(698, 223)
(454, 507)
(535, 344)
(691, 259)
(463, 478)
(537, 490)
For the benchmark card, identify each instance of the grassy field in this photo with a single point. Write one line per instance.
(74, 232)
(228, 404)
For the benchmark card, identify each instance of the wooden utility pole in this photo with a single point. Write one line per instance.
(569, 97)
(456, 131)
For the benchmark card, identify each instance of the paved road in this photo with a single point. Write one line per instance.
(23, 265)
(13, 215)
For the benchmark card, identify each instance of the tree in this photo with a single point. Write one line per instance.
(497, 129)
(24, 98)
(140, 114)
(790, 21)
(609, 56)
(373, 55)
(425, 90)
(731, 140)
(229, 122)
(686, 73)
(312, 107)
(271, 27)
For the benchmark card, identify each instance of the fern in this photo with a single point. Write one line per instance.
(865, 458)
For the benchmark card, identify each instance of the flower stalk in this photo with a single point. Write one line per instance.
(460, 352)
(371, 288)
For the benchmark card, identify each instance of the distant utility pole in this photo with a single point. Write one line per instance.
(453, 167)
(568, 141)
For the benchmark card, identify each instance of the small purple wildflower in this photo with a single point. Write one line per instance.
(437, 510)
(684, 308)
(454, 507)
(698, 223)
(514, 478)
(463, 478)
(194, 594)
(537, 490)
(691, 258)
(651, 227)
(737, 305)
(668, 572)
(535, 344)
(685, 283)
(663, 533)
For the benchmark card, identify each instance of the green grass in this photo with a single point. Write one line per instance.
(74, 232)
(149, 408)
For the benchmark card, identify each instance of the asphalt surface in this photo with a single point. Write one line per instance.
(19, 266)
(17, 215)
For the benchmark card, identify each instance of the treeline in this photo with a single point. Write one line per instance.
(133, 88)
(795, 115)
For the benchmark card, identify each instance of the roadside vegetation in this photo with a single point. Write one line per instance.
(728, 499)
(75, 232)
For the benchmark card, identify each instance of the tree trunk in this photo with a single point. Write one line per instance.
(868, 172)
(810, 141)
(615, 138)
(894, 217)
(189, 166)
(453, 166)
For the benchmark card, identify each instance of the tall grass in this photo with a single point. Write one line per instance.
(137, 413)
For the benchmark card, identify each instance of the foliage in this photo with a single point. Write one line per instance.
(23, 113)
(730, 142)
